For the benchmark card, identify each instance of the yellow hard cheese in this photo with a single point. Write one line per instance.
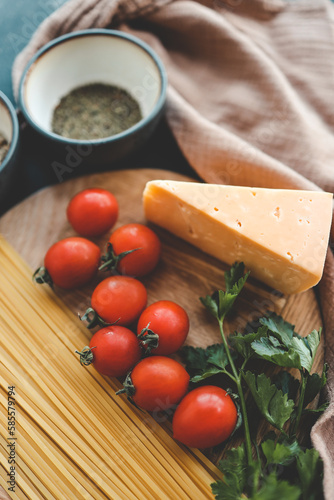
(281, 235)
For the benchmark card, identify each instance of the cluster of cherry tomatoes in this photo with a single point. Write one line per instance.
(152, 380)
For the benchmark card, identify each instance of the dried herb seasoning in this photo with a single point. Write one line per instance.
(95, 111)
(4, 147)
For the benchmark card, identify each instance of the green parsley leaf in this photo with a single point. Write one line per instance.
(235, 280)
(310, 468)
(279, 453)
(300, 347)
(290, 342)
(298, 353)
(234, 468)
(216, 355)
(320, 408)
(242, 343)
(195, 358)
(288, 384)
(223, 491)
(270, 349)
(234, 275)
(226, 301)
(314, 385)
(204, 363)
(313, 341)
(274, 489)
(272, 403)
(252, 326)
(211, 303)
(209, 372)
(307, 348)
(220, 302)
(279, 327)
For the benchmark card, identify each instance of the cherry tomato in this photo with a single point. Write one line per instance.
(119, 299)
(69, 263)
(159, 383)
(146, 246)
(92, 212)
(169, 322)
(113, 350)
(205, 417)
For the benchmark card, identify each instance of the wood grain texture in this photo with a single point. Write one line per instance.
(183, 275)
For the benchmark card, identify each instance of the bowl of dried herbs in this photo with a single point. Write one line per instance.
(9, 145)
(97, 92)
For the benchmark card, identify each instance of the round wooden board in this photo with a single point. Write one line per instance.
(183, 275)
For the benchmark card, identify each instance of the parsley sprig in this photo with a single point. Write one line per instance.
(279, 467)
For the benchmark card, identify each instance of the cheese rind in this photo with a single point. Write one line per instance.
(281, 235)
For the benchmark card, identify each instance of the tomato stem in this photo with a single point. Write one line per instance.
(148, 339)
(128, 389)
(95, 320)
(41, 276)
(237, 377)
(86, 355)
(111, 260)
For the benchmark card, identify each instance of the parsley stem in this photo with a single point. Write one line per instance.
(300, 402)
(243, 365)
(237, 377)
(245, 422)
(228, 353)
(229, 375)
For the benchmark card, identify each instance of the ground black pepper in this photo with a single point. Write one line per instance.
(95, 111)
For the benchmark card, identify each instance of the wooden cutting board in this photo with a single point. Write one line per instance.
(183, 275)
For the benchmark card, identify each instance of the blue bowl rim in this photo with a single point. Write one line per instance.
(15, 135)
(105, 140)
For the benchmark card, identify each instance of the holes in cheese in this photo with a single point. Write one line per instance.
(280, 234)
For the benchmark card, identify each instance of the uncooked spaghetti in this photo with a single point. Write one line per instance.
(75, 438)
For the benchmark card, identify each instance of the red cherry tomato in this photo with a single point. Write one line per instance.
(159, 383)
(113, 350)
(146, 246)
(169, 321)
(205, 417)
(70, 263)
(119, 299)
(92, 212)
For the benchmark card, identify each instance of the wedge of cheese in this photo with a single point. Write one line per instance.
(281, 235)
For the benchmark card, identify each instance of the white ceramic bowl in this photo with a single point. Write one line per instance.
(9, 128)
(94, 56)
